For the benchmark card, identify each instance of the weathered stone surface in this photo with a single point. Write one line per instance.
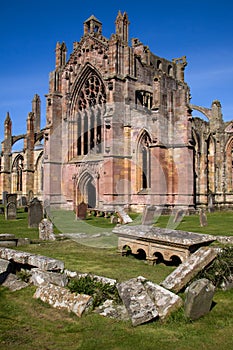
(102, 279)
(139, 305)
(11, 209)
(165, 301)
(148, 215)
(199, 297)
(35, 212)
(112, 310)
(5, 265)
(61, 298)
(46, 230)
(42, 262)
(12, 243)
(155, 241)
(14, 255)
(228, 283)
(186, 271)
(124, 217)
(7, 237)
(225, 239)
(13, 283)
(39, 278)
(23, 241)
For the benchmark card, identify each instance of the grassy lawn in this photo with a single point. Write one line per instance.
(27, 323)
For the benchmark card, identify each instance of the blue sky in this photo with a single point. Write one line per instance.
(201, 29)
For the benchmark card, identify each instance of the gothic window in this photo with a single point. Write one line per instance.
(229, 165)
(143, 99)
(143, 177)
(90, 104)
(17, 174)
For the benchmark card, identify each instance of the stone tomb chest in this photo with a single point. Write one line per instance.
(158, 244)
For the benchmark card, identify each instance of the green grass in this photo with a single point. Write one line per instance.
(27, 323)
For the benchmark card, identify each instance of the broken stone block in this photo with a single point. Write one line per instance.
(165, 301)
(5, 265)
(14, 255)
(113, 310)
(102, 279)
(45, 263)
(13, 282)
(42, 262)
(179, 278)
(199, 297)
(62, 298)
(40, 277)
(7, 240)
(139, 305)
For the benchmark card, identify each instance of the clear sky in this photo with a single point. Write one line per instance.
(200, 29)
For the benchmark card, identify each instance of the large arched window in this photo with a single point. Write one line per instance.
(17, 173)
(143, 162)
(90, 105)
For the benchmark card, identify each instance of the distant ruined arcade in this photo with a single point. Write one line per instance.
(119, 131)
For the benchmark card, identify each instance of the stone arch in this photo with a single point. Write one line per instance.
(143, 163)
(17, 173)
(229, 165)
(86, 190)
(38, 176)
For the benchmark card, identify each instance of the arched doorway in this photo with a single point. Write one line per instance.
(86, 190)
(91, 194)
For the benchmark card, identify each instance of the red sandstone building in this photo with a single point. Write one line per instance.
(119, 131)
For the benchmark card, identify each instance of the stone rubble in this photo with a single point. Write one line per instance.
(42, 262)
(12, 282)
(62, 298)
(40, 277)
(179, 278)
(165, 301)
(139, 305)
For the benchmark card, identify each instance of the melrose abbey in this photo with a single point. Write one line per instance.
(120, 132)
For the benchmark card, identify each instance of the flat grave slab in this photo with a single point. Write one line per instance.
(156, 242)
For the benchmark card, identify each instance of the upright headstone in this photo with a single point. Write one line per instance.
(203, 218)
(210, 202)
(81, 211)
(4, 201)
(10, 213)
(46, 230)
(148, 215)
(178, 216)
(11, 197)
(199, 297)
(35, 213)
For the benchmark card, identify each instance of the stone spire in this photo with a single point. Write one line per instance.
(122, 26)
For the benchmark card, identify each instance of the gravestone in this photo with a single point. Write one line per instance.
(123, 216)
(35, 213)
(10, 213)
(148, 215)
(211, 203)
(199, 296)
(203, 218)
(11, 197)
(46, 230)
(23, 201)
(4, 201)
(179, 216)
(81, 211)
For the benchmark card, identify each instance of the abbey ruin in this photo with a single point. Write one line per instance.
(120, 131)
